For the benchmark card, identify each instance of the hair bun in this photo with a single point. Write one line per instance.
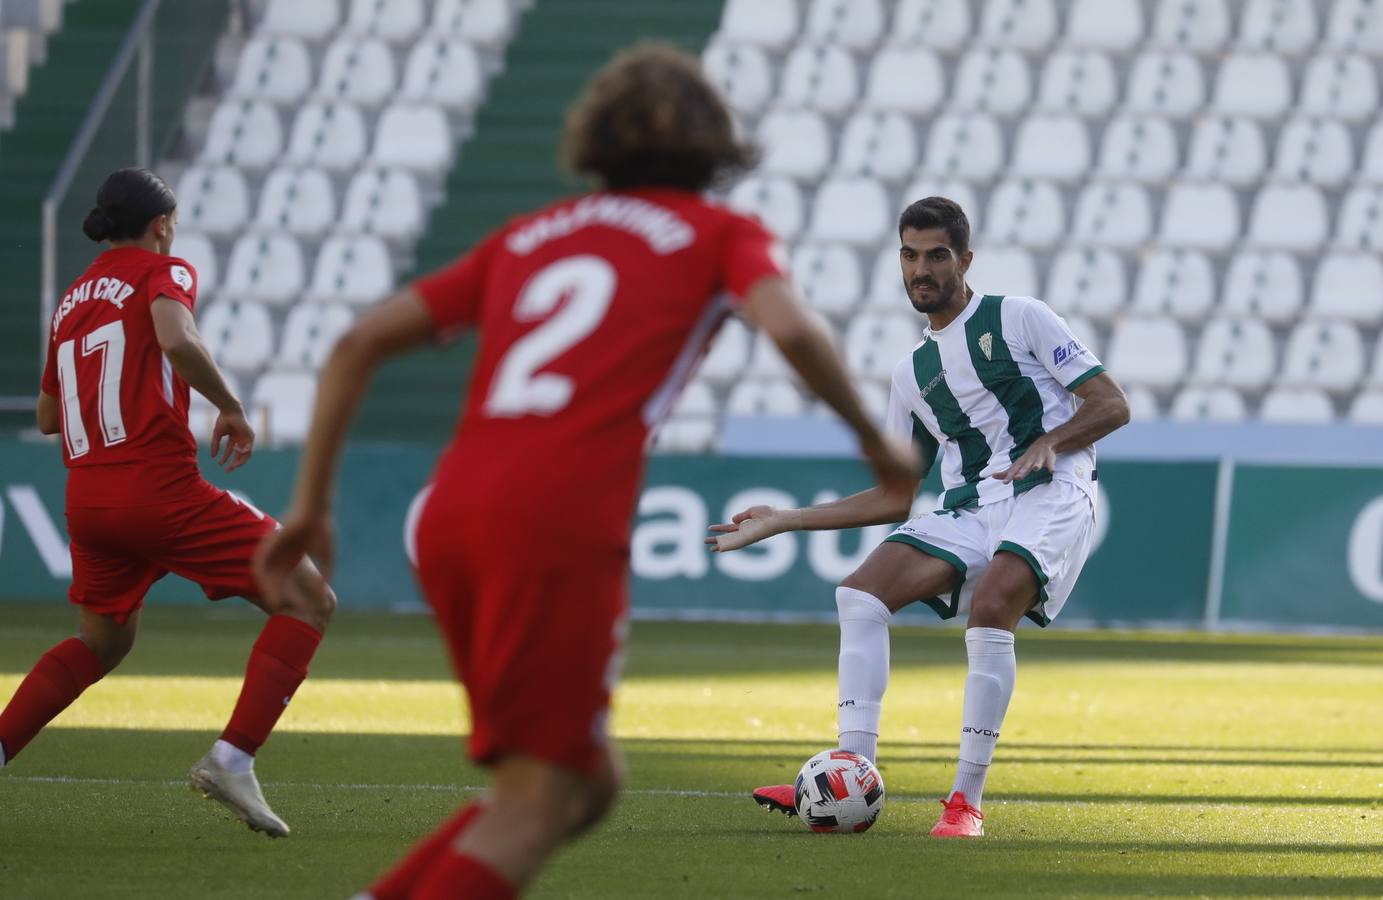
(98, 224)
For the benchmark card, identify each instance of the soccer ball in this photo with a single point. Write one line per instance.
(839, 792)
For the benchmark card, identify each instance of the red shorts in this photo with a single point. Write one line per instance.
(205, 535)
(535, 628)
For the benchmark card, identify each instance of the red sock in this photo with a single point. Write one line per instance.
(278, 664)
(398, 884)
(58, 678)
(454, 877)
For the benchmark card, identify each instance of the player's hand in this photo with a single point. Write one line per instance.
(280, 552)
(895, 465)
(1039, 455)
(752, 526)
(235, 429)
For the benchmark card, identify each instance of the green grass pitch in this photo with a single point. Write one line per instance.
(1131, 764)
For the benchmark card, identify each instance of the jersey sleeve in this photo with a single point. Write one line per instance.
(901, 422)
(176, 280)
(752, 253)
(1056, 347)
(453, 294)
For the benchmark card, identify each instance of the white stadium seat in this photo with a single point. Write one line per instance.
(1003, 270)
(765, 360)
(1324, 354)
(1204, 216)
(764, 397)
(769, 23)
(1361, 219)
(300, 201)
(1025, 213)
(677, 434)
(1078, 81)
(1264, 285)
(413, 137)
(201, 415)
(962, 192)
(1278, 26)
(1314, 150)
(1235, 352)
(1139, 149)
(198, 250)
(1296, 406)
(741, 73)
(1255, 85)
(1343, 87)
(1148, 352)
(994, 81)
(796, 143)
(1228, 150)
(282, 403)
(828, 275)
(856, 24)
(245, 133)
(886, 291)
(444, 72)
(359, 71)
(907, 80)
(1113, 214)
(938, 24)
(309, 334)
(1289, 217)
(873, 396)
(265, 266)
(852, 210)
(1023, 24)
(777, 202)
(328, 135)
(276, 69)
(1054, 147)
(1115, 25)
(821, 78)
(1376, 370)
(1355, 25)
(1165, 84)
(1349, 286)
(1371, 169)
(1085, 332)
(965, 146)
(396, 21)
(385, 202)
(728, 355)
(875, 342)
(1367, 408)
(484, 23)
(1202, 26)
(697, 399)
(213, 200)
(354, 270)
(311, 20)
(1176, 283)
(1209, 404)
(1142, 403)
(1090, 281)
(880, 145)
(238, 335)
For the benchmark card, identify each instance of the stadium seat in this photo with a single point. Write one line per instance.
(446, 73)
(873, 395)
(1003, 270)
(1025, 213)
(1314, 150)
(282, 404)
(201, 415)
(238, 335)
(385, 202)
(1204, 216)
(354, 270)
(697, 399)
(1165, 84)
(1367, 408)
(1361, 219)
(1113, 214)
(776, 201)
(484, 23)
(992, 80)
(1278, 26)
(1342, 87)
(1027, 25)
(413, 137)
(1371, 169)
(1296, 406)
(1142, 403)
(1264, 285)
(1085, 331)
(1089, 281)
(875, 342)
(821, 78)
(828, 275)
(357, 71)
(765, 361)
(266, 266)
(1209, 404)
(728, 355)
(741, 73)
(396, 21)
(965, 146)
(678, 434)
(1255, 85)
(852, 210)
(1238, 353)
(796, 143)
(1139, 149)
(1148, 352)
(299, 201)
(906, 80)
(886, 291)
(1228, 150)
(855, 24)
(1349, 286)
(1324, 354)
(878, 144)
(764, 397)
(1355, 25)
(1202, 26)
(328, 135)
(1176, 283)
(310, 20)
(1114, 25)
(768, 23)
(276, 69)
(1051, 147)
(245, 133)
(1289, 217)
(213, 200)
(962, 192)
(309, 334)
(198, 250)
(939, 24)
(1080, 82)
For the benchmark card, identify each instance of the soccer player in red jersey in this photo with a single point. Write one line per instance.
(123, 351)
(593, 313)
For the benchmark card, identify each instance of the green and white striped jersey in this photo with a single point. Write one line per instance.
(984, 388)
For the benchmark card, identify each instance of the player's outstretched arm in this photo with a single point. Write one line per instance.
(874, 506)
(1103, 410)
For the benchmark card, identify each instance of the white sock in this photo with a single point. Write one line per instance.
(863, 669)
(232, 758)
(988, 688)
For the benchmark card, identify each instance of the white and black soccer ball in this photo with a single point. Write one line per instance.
(839, 792)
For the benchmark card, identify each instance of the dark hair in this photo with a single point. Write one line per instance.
(938, 212)
(129, 199)
(650, 117)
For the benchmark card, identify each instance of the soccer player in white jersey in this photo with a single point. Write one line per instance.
(1015, 404)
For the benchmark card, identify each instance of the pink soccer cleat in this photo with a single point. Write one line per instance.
(777, 798)
(959, 819)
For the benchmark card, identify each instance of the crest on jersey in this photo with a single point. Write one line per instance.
(182, 277)
(987, 345)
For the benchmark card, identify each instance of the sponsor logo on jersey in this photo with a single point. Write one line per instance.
(1067, 352)
(181, 277)
(932, 385)
(987, 345)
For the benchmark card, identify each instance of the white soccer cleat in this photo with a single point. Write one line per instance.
(239, 793)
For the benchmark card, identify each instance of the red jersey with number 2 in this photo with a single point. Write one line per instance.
(123, 408)
(593, 313)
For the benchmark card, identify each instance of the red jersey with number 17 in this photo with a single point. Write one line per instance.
(593, 313)
(124, 410)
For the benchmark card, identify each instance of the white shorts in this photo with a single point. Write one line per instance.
(1049, 526)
